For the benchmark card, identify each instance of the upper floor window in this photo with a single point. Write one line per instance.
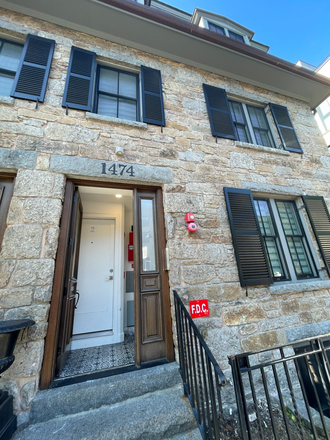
(224, 31)
(116, 93)
(10, 54)
(251, 124)
(235, 36)
(216, 28)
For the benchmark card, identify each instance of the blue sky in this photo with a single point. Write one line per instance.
(293, 29)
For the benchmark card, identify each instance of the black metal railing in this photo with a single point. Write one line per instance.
(287, 395)
(201, 375)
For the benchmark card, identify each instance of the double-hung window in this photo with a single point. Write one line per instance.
(116, 93)
(10, 55)
(236, 36)
(285, 241)
(270, 240)
(251, 124)
(215, 28)
(248, 123)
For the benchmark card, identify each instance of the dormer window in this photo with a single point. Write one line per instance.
(224, 31)
(235, 36)
(216, 28)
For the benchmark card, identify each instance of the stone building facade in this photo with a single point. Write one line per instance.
(43, 147)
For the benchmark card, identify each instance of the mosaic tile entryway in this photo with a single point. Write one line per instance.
(86, 360)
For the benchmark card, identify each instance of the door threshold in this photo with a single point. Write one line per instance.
(84, 377)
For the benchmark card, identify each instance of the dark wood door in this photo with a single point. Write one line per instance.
(70, 294)
(153, 336)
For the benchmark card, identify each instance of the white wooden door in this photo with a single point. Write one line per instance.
(94, 312)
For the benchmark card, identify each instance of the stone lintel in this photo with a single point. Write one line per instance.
(306, 286)
(118, 121)
(109, 171)
(13, 160)
(272, 189)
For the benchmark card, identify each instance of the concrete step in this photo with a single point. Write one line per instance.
(164, 414)
(73, 399)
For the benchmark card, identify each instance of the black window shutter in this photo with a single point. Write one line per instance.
(33, 70)
(79, 79)
(320, 220)
(152, 96)
(285, 128)
(253, 267)
(219, 112)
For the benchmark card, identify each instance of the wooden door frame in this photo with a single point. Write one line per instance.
(50, 350)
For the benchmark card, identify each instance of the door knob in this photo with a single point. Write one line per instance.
(110, 278)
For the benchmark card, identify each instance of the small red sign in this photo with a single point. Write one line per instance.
(199, 308)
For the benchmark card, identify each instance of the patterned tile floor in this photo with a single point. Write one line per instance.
(90, 359)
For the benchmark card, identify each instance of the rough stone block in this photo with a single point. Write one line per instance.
(243, 314)
(307, 331)
(223, 342)
(184, 203)
(263, 340)
(39, 184)
(212, 253)
(27, 393)
(15, 159)
(46, 146)
(42, 211)
(198, 274)
(15, 211)
(6, 269)
(51, 241)
(38, 313)
(68, 133)
(290, 306)
(15, 297)
(241, 160)
(28, 359)
(22, 241)
(282, 322)
(42, 294)
(248, 329)
(223, 292)
(34, 272)
(201, 188)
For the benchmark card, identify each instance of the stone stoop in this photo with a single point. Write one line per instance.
(147, 404)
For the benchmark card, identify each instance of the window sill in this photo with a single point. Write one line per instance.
(262, 148)
(118, 121)
(303, 286)
(7, 100)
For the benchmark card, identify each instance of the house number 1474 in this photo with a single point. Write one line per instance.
(118, 169)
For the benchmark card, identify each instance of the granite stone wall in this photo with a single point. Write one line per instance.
(202, 265)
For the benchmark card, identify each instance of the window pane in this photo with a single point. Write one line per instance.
(108, 81)
(148, 236)
(235, 36)
(107, 106)
(10, 56)
(295, 238)
(237, 114)
(257, 117)
(299, 256)
(262, 138)
(325, 107)
(127, 85)
(289, 218)
(6, 83)
(215, 28)
(327, 122)
(264, 217)
(242, 133)
(274, 258)
(127, 110)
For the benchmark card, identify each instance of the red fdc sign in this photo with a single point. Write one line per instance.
(199, 308)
